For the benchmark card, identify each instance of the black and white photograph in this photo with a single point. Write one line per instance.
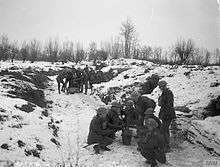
(109, 83)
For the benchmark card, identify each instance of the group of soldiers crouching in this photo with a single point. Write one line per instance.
(76, 79)
(137, 111)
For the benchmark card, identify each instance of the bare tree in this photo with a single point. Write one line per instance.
(52, 50)
(67, 52)
(14, 50)
(80, 53)
(24, 51)
(116, 48)
(129, 34)
(4, 47)
(157, 53)
(184, 50)
(113, 48)
(146, 52)
(34, 47)
(217, 55)
(92, 52)
(207, 58)
(102, 55)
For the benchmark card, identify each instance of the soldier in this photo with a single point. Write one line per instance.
(142, 103)
(152, 143)
(150, 84)
(167, 113)
(61, 80)
(70, 75)
(113, 117)
(91, 78)
(98, 132)
(149, 113)
(86, 77)
(130, 116)
(79, 76)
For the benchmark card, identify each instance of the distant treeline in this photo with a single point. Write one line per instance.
(126, 45)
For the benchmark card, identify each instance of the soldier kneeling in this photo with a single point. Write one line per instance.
(98, 132)
(152, 143)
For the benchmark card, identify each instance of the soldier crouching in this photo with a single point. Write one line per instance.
(114, 120)
(98, 133)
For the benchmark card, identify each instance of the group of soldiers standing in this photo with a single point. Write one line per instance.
(137, 112)
(76, 80)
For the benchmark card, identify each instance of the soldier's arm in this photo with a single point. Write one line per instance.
(169, 99)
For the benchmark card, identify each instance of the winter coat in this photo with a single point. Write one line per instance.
(150, 85)
(96, 131)
(130, 116)
(113, 120)
(92, 77)
(141, 105)
(155, 118)
(60, 78)
(166, 101)
(152, 140)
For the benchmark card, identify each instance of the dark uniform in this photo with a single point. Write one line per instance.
(155, 118)
(60, 80)
(130, 116)
(167, 113)
(142, 104)
(152, 147)
(150, 84)
(86, 78)
(98, 134)
(92, 78)
(113, 122)
(79, 79)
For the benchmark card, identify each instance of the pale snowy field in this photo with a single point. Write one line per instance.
(71, 115)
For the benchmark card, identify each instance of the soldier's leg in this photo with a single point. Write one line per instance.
(97, 148)
(105, 142)
(58, 83)
(91, 86)
(81, 86)
(149, 155)
(63, 86)
(160, 156)
(165, 130)
(86, 86)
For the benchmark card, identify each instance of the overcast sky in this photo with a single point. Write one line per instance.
(158, 22)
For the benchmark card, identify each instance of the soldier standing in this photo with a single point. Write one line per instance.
(86, 77)
(61, 80)
(167, 113)
(79, 76)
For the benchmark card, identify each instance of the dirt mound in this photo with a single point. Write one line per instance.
(26, 84)
(213, 108)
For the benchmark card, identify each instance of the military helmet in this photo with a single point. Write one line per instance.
(162, 83)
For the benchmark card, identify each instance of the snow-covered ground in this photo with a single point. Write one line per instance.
(60, 137)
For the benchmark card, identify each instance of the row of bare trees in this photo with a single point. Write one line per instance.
(125, 45)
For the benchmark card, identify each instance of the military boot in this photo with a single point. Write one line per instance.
(97, 149)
